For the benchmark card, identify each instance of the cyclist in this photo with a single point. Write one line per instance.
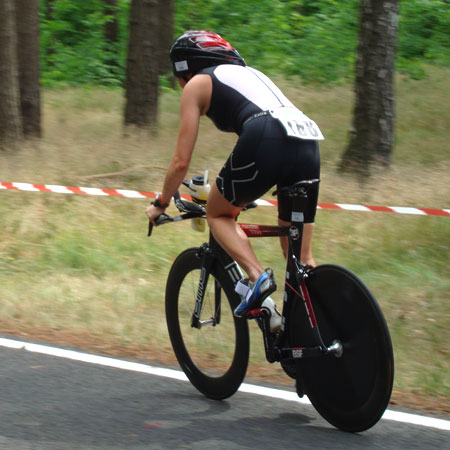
(277, 145)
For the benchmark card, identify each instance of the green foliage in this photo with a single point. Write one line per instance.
(314, 39)
(424, 30)
(424, 35)
(73, 47)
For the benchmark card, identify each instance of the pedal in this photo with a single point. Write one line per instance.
(254, 314)
(260, 315)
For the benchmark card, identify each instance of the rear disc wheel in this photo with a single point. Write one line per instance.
(351, 391)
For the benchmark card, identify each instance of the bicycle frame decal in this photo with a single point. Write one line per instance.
(308, 305)
(294, 233)
(307, 302)
(254, 230)
(200, 293)
(234, 272)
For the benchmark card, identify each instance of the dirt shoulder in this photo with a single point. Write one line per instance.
(267, 374)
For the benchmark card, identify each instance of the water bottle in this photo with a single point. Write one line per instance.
(199, 190)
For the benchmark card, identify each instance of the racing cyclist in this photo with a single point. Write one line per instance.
(217, 83)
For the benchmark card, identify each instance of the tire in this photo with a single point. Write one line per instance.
(352, 391)
(214, 358)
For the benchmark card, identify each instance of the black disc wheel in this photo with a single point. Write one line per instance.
(214, 356)
(350, 391)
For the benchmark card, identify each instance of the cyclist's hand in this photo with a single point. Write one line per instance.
(153, 212)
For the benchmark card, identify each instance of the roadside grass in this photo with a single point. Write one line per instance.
(70, 263)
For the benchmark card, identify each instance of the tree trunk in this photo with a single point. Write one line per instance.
(372, 134)
(142, 65)
(112, 25)
(27, 19)
(112, 34)
(165, 35)
(10, 117)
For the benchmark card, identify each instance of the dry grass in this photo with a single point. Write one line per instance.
(82, 266)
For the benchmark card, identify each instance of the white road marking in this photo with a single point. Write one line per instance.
(415, 419)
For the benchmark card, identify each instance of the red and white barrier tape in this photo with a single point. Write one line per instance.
(141, 194)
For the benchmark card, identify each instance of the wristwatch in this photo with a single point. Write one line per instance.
(158, 204)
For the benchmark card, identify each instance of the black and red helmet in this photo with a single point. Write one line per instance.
(196, 49)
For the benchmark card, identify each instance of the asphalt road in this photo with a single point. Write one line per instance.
(49, 402)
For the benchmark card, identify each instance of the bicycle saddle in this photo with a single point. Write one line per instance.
(298, 188)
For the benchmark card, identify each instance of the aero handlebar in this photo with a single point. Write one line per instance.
(190, 211)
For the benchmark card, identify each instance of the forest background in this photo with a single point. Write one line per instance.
(80, 271)
(313, 39)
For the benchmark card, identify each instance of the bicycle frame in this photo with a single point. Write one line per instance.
(295, 285)
(295, 288)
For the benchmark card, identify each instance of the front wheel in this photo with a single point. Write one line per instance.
(352, 391)
(215, 356)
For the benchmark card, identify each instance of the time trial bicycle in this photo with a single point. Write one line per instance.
(333, 340)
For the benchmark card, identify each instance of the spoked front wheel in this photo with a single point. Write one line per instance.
(215, 355)
(351, 391)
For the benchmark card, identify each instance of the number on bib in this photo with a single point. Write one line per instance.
(297, 124)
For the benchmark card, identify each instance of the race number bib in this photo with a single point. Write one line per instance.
(297, 124)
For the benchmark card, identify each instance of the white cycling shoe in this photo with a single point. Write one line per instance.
(275, 316)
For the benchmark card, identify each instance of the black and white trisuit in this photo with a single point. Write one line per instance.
(277, 143)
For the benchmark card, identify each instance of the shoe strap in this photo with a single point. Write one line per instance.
(243, 290)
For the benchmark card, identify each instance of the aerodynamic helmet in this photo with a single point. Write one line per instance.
(196, 49)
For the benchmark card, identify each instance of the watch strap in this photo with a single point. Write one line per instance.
(158, 204)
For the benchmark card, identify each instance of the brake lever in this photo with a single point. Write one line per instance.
(150, 228)
(162, 218)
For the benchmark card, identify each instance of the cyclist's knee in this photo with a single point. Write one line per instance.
(218, 207)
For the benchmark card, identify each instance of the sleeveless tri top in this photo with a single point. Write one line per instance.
(238, 93)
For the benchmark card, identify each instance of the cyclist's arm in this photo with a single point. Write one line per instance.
(194, 103)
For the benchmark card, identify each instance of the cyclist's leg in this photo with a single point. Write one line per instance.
(308, 231)
(306, 165)
(221, 215)
(248, 173)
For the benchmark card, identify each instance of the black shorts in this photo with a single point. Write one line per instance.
(265, 156)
